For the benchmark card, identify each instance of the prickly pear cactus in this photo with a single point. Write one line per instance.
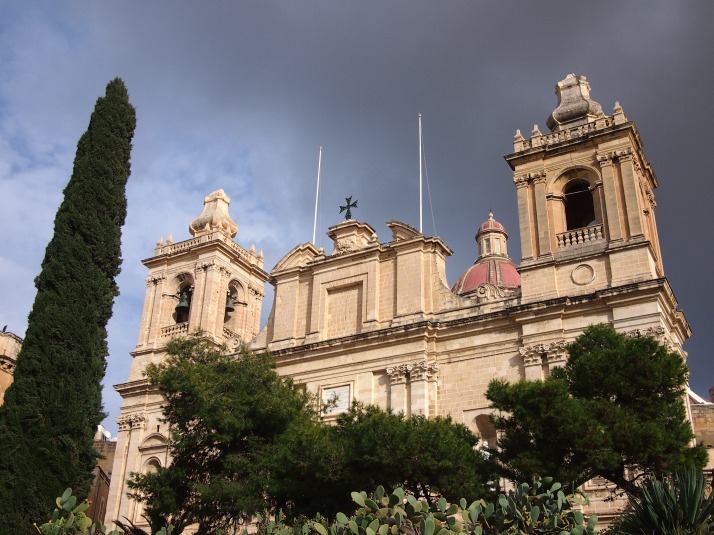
(69, 519)
(539, 509)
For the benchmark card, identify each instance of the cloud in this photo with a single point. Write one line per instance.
(240, 95)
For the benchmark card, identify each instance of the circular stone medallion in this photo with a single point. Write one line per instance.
(583, 274)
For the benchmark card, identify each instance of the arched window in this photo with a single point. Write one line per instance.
(184, 303)
(151, 465)
(487, 431)
(579, 205)
(235, 308)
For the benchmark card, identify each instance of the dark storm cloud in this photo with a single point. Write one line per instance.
(240, 95)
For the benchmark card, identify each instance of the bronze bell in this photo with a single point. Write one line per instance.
(183, 302)
(229, 304)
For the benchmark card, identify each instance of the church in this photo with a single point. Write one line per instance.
(376, 319)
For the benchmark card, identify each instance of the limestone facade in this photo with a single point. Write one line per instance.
(377, 321)
(10, 345)
(208, 282)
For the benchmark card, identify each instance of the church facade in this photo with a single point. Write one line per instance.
(377, 321)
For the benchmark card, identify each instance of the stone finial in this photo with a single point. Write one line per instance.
(575, 106)
(618, 114)
(536, 131)
(214, 216)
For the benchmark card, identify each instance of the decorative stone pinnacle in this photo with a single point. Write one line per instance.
(214, 217)
(575, 106)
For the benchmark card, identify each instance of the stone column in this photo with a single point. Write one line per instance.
(632, 205)
(541, 209)
(524, 217)
(612, 225)
(555, 356)
(421, 377)
(118, 504)
(540, 359)
(398, 387)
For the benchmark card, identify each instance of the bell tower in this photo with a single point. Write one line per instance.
(586, 205)
(207, 282)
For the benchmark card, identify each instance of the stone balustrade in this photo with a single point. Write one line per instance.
(538, 140)
(174, 330)
(580, 236)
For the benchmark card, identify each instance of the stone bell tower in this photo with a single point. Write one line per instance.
(585, 200)
(207, 282)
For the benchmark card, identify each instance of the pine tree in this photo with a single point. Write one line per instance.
(52, 409)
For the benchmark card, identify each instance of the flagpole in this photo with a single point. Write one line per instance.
(420, 180)
(317, 195)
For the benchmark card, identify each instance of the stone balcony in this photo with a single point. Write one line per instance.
(580, 236)
(174, 330)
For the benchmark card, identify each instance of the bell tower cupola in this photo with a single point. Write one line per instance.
(207, 282)
(585, 200)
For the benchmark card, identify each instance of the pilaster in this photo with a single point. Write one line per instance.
(629, 183)
(612, 208)
(541, 209)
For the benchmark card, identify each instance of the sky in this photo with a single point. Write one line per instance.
(240, 95)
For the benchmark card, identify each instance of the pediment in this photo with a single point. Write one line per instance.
(402, 231)
(299, 256)
(154, 440)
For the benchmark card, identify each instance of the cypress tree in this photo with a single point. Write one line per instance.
(54, 405)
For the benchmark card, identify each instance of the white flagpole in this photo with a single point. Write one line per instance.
(420, 162)
(317, 195)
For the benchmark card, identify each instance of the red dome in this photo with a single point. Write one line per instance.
(499, 271)
(491, 225)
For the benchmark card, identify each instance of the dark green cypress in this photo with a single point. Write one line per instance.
(52, 410)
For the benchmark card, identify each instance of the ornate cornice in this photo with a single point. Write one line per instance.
(419, 371)
(205, 266)
(658, 333)
(524, 180)
(551, 352)
(155, 279)
(256, 291)
(398, 374)
(131, 421)
(424, 371)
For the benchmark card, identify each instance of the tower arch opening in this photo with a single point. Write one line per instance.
(579, 204)
(234, 317)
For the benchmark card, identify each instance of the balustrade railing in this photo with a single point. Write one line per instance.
(173, 330)
(580, 236)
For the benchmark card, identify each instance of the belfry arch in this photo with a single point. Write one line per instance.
(577, 207)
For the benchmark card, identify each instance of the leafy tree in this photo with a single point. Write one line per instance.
(615, 410)
(52, 409)
(244, 440)
(225, 412)
(315, 468)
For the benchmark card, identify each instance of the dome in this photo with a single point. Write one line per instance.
(498, 271)
(492, 267)
(491, 225)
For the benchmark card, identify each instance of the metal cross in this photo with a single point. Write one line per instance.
(348, 208)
